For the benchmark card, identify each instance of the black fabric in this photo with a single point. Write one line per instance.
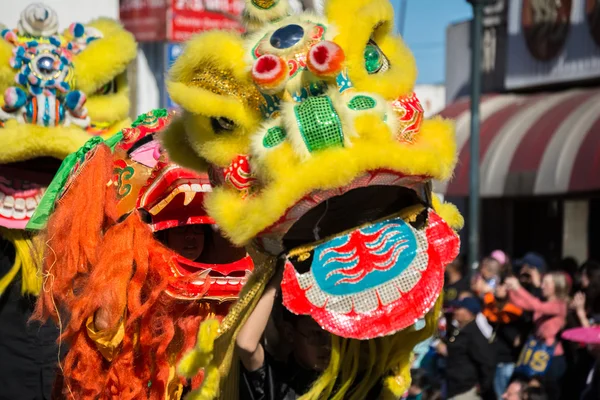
(28, 352)
(506, 334)
(471, 361)
(276, 381)
(282, 381)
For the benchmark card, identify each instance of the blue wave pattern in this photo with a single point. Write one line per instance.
(365, 258)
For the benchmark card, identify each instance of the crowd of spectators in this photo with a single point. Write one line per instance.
(518, 330)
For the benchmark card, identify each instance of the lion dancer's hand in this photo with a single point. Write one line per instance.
(102, 329)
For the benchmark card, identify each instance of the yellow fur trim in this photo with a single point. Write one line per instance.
(375, 22)
(110, 107)
(449, 213)
(432, 154)
(104, 58)
(27, 260)
(200, 50)
(7, 74)
(26, 141)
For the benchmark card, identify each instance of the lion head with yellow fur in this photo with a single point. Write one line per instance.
(59, 89)
(320, 156)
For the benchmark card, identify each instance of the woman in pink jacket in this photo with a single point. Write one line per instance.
(549, 318)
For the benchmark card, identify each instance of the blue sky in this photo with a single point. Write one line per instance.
(425, 33)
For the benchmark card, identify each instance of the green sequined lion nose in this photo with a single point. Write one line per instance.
(319, 123)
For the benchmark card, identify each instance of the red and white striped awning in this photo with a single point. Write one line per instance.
(538, 144)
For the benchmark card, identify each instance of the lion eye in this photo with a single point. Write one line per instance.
(222, 124)
(375, 60)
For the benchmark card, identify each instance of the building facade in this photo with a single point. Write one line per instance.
(540, 126)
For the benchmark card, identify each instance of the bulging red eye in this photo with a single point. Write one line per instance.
(270, 72)
(325, 59)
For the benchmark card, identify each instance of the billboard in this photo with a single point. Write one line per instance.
(177, 20)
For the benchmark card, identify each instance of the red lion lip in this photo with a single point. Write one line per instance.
(221, 282)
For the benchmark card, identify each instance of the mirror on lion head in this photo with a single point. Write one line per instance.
(318, 150)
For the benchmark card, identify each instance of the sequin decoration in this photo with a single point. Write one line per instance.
(374, 280)
(222, 82)
(361, 103)
(319, 123)
(274, 136)
(409, 112)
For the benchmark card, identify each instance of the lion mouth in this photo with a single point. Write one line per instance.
(221, 282)
(22, 186)
(375, 196)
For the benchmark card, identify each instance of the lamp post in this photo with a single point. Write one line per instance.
(402, 17)
(474, 201)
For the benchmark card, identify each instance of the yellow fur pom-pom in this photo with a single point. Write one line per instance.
(210, 386)
(202, 354)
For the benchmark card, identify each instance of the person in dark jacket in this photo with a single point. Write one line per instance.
(470, 362)
(28, 351)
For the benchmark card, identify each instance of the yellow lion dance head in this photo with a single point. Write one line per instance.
(59, 89)
(320, 154)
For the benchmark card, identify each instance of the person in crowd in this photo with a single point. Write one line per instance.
(520, 389)
(570, 266)
(584, 312)
(590, 288)
(470, 358)
(549, 318)
(531, 268)
(589, 337)
(420, 384)
(455, 280)
(509, 325)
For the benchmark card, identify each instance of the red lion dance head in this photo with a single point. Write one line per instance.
(130, 306)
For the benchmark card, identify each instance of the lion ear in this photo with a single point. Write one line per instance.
(211, 78)
(105, 58)
(374, 27)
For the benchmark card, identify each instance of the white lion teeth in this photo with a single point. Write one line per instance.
(19, 214)
(18, 207)
(30, 203)
(20, 204)
(9, 202)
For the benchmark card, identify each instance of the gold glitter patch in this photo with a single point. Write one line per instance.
(264, 4)
(222, 82)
